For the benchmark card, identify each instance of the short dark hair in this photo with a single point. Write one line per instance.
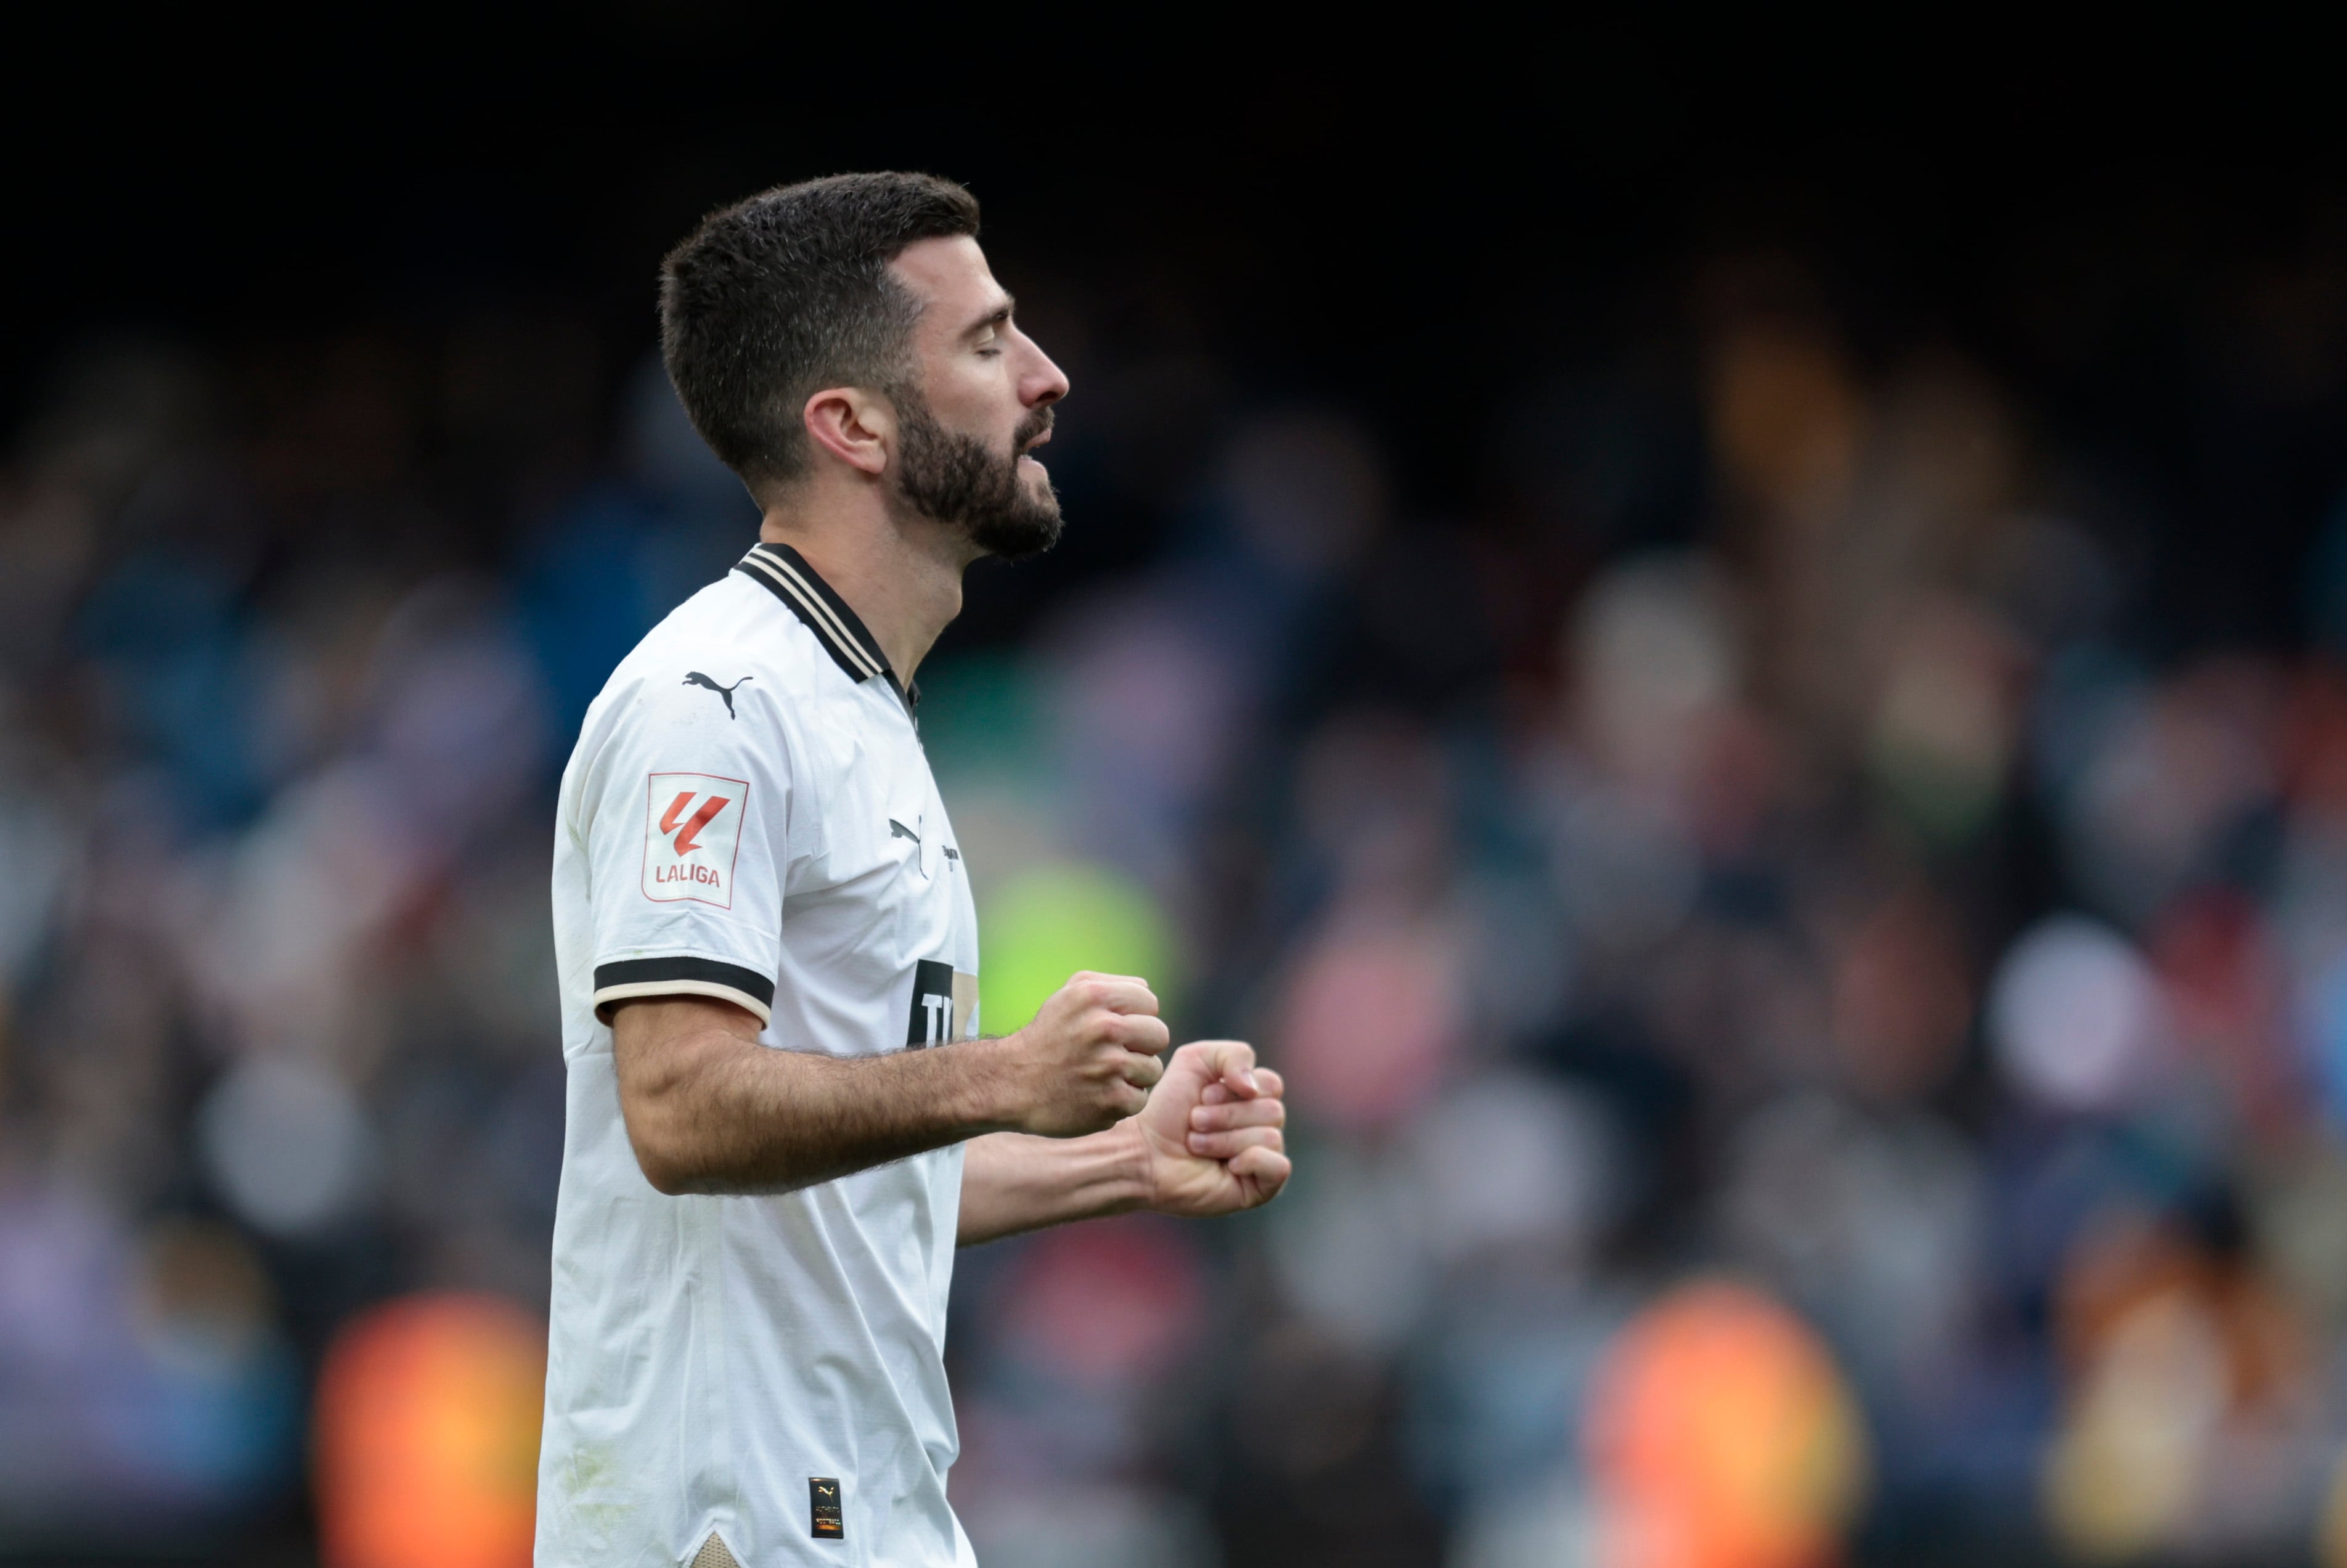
(776, 297)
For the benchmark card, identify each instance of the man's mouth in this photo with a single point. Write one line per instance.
(1038, 438)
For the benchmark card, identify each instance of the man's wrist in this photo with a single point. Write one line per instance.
(985, 1099)
(1136, 1166)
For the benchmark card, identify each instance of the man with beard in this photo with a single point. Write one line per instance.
(782, 1115)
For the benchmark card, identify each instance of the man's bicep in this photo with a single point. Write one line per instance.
(650, 1038)
(672, 1057)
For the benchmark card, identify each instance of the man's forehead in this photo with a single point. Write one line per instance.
(949, 272)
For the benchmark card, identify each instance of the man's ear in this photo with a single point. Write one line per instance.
(854, 426)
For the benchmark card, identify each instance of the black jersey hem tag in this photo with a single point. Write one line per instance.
(823, 1520)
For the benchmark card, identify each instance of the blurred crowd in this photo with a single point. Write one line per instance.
(1814, 1034)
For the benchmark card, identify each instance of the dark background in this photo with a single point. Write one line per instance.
(1409, 220)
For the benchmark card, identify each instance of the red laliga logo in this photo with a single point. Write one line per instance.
(692, 835)
(684, 844)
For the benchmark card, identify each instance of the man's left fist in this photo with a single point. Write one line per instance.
(1211, 1132)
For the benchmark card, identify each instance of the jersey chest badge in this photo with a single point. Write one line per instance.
(692, 835)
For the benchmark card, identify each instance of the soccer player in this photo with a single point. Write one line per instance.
(782, 1116)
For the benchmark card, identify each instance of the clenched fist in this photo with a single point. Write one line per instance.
(1211, 1137)
(1089, 1059)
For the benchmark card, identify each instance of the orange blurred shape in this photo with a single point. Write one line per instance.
(1720, 1434)
(2177, 1361)
(426, 1435)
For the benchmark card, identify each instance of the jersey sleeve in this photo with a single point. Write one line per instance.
(686, 825)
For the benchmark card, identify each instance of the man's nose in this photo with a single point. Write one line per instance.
(1046, 384)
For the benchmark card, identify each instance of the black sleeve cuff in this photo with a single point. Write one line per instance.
(745, 989)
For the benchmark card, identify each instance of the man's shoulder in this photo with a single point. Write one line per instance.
(726, 638)
(728, 676)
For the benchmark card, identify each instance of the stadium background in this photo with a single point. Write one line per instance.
(1741, 673)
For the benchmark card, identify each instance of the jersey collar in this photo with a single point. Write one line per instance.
(784, 573)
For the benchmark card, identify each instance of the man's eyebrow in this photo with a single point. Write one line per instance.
(994, 318)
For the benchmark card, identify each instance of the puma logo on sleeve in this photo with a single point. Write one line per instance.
(695, 678)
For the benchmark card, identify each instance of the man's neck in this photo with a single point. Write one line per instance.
(902, 576)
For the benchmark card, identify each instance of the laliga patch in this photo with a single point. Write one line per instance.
(692, 835)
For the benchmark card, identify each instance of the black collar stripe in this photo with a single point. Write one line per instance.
(788, 587)
(843, 622)
(847, 651)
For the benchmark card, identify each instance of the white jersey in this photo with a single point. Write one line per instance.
(749, 815)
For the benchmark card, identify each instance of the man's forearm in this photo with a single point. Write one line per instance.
(709, 1109)
(1011, 1181)
(733, 1116)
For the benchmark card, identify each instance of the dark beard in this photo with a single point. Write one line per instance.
(957, 481)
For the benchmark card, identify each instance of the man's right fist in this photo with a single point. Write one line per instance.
(1088, 1060)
